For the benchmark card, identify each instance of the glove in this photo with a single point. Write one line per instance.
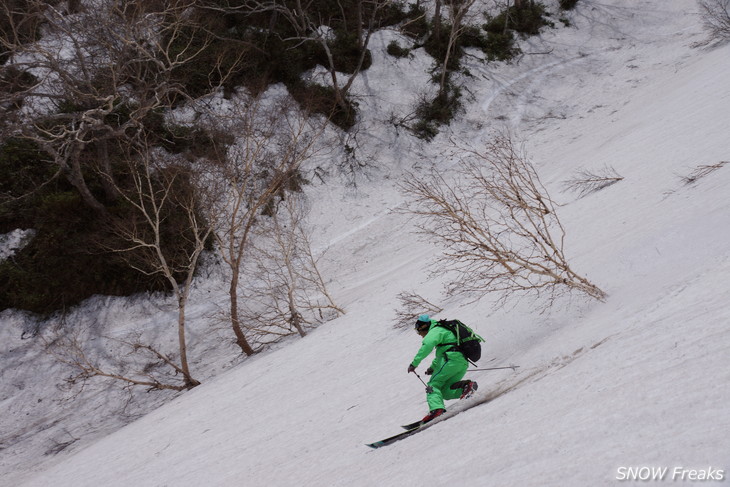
(411, 368)
(429, 371)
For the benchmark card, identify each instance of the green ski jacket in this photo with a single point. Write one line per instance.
(437, 335)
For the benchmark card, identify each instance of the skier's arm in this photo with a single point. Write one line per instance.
(427, 345)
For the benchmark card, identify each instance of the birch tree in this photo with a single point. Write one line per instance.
(497, 225)
(287, 293)
(100, 76)
(160, 188)
(458, 12)
(274, 141)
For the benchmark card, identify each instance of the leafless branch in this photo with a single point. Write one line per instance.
(412, 304)
(716, 18)
(160, 186)
(289, 294)
(255, 174)
(99, 76)
(68, 348)
(702, 171)
(497, 225)
(585, 182)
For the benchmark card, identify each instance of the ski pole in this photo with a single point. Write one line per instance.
(429, 389)
(513, 367)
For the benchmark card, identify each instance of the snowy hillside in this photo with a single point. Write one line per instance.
(636, 382)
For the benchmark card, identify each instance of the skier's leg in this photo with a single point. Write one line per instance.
(435, 398)
(458, 370)
(453, 370)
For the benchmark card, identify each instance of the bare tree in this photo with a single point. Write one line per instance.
(437, 20)
(716, 18)
(19, 21)
(458, 11)
(412, 304)
(497, 225)
(274, 141)
(585, 182)
(162, 187)
(69, 348)
(100, 76)
(287, 293)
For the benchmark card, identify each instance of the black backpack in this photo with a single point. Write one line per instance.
(467, 342)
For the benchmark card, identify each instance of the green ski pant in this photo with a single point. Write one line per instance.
(451, 371)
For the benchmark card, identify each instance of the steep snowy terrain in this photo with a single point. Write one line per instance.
(636, 382)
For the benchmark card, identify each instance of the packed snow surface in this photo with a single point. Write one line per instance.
(604, 392)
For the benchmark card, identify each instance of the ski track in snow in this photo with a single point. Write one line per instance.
(544, 71)
(519, 104)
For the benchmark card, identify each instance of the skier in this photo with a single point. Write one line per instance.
(447, 369)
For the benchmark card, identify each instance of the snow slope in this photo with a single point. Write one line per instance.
(639, 380)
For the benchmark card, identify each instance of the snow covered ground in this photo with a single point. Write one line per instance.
(605, 392)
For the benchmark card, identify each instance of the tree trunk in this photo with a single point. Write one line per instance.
(76, 178)
(241, 340)
(445, 68)
(189, 381)
(358, 27)
(110, 188)
(294, 317)
(437, 21)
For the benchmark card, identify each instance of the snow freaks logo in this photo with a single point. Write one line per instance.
(676, 474)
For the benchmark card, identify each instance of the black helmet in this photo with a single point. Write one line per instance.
(422, 322)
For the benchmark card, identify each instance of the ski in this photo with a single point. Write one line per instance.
(412, 425)
(413, 428)
(410, 430)
(394, 438)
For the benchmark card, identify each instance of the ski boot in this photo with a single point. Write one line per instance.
(469, 389)
(432, 415)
